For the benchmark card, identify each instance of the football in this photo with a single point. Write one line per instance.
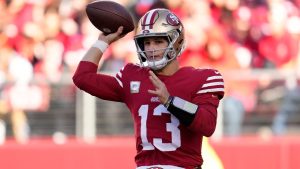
(108, 16)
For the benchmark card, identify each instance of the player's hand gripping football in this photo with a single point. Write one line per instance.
(160, 90)
(110, 38)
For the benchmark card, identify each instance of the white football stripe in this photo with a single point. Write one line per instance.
(213, 84)
(119, 81)
(214, 77)
(211, 90)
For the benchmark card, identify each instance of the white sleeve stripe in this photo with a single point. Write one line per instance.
(211, 90)
(214, 77)
(213, 84)
(120, 74)
(119, 81)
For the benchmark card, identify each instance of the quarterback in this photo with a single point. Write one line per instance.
(172, 107)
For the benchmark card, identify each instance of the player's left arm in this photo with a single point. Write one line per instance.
(207, 98)
(199, 114)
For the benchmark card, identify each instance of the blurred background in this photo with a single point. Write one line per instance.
(253, 43)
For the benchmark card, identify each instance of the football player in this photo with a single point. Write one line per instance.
(172, 107)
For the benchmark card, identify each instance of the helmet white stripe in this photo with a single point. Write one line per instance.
(144, 21)
(152, 20)
(148, 19)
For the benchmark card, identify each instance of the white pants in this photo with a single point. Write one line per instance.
(161, 166)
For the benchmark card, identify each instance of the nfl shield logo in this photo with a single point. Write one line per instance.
(135, 86)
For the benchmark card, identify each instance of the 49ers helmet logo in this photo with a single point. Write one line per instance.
(172, 19)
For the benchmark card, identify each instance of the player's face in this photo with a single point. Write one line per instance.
(155, 47)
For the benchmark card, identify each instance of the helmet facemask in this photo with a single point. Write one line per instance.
(145, 56)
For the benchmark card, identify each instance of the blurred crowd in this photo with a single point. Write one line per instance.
(41, 40)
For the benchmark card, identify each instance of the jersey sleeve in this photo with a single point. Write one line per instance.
(207, 96)
(211, 83)
(100, 85)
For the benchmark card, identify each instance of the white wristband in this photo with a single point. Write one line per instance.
(101, 45)
(185, 105)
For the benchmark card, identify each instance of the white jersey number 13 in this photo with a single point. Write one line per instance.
(170, 127)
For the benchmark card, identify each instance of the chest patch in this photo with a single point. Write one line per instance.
(135, 86)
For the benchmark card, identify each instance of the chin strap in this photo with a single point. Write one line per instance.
(156, 65)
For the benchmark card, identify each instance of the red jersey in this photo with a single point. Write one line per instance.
(160, 138)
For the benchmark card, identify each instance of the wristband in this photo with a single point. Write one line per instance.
(184, 105)
(183, 110)
(167, 104)
(101, 45)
